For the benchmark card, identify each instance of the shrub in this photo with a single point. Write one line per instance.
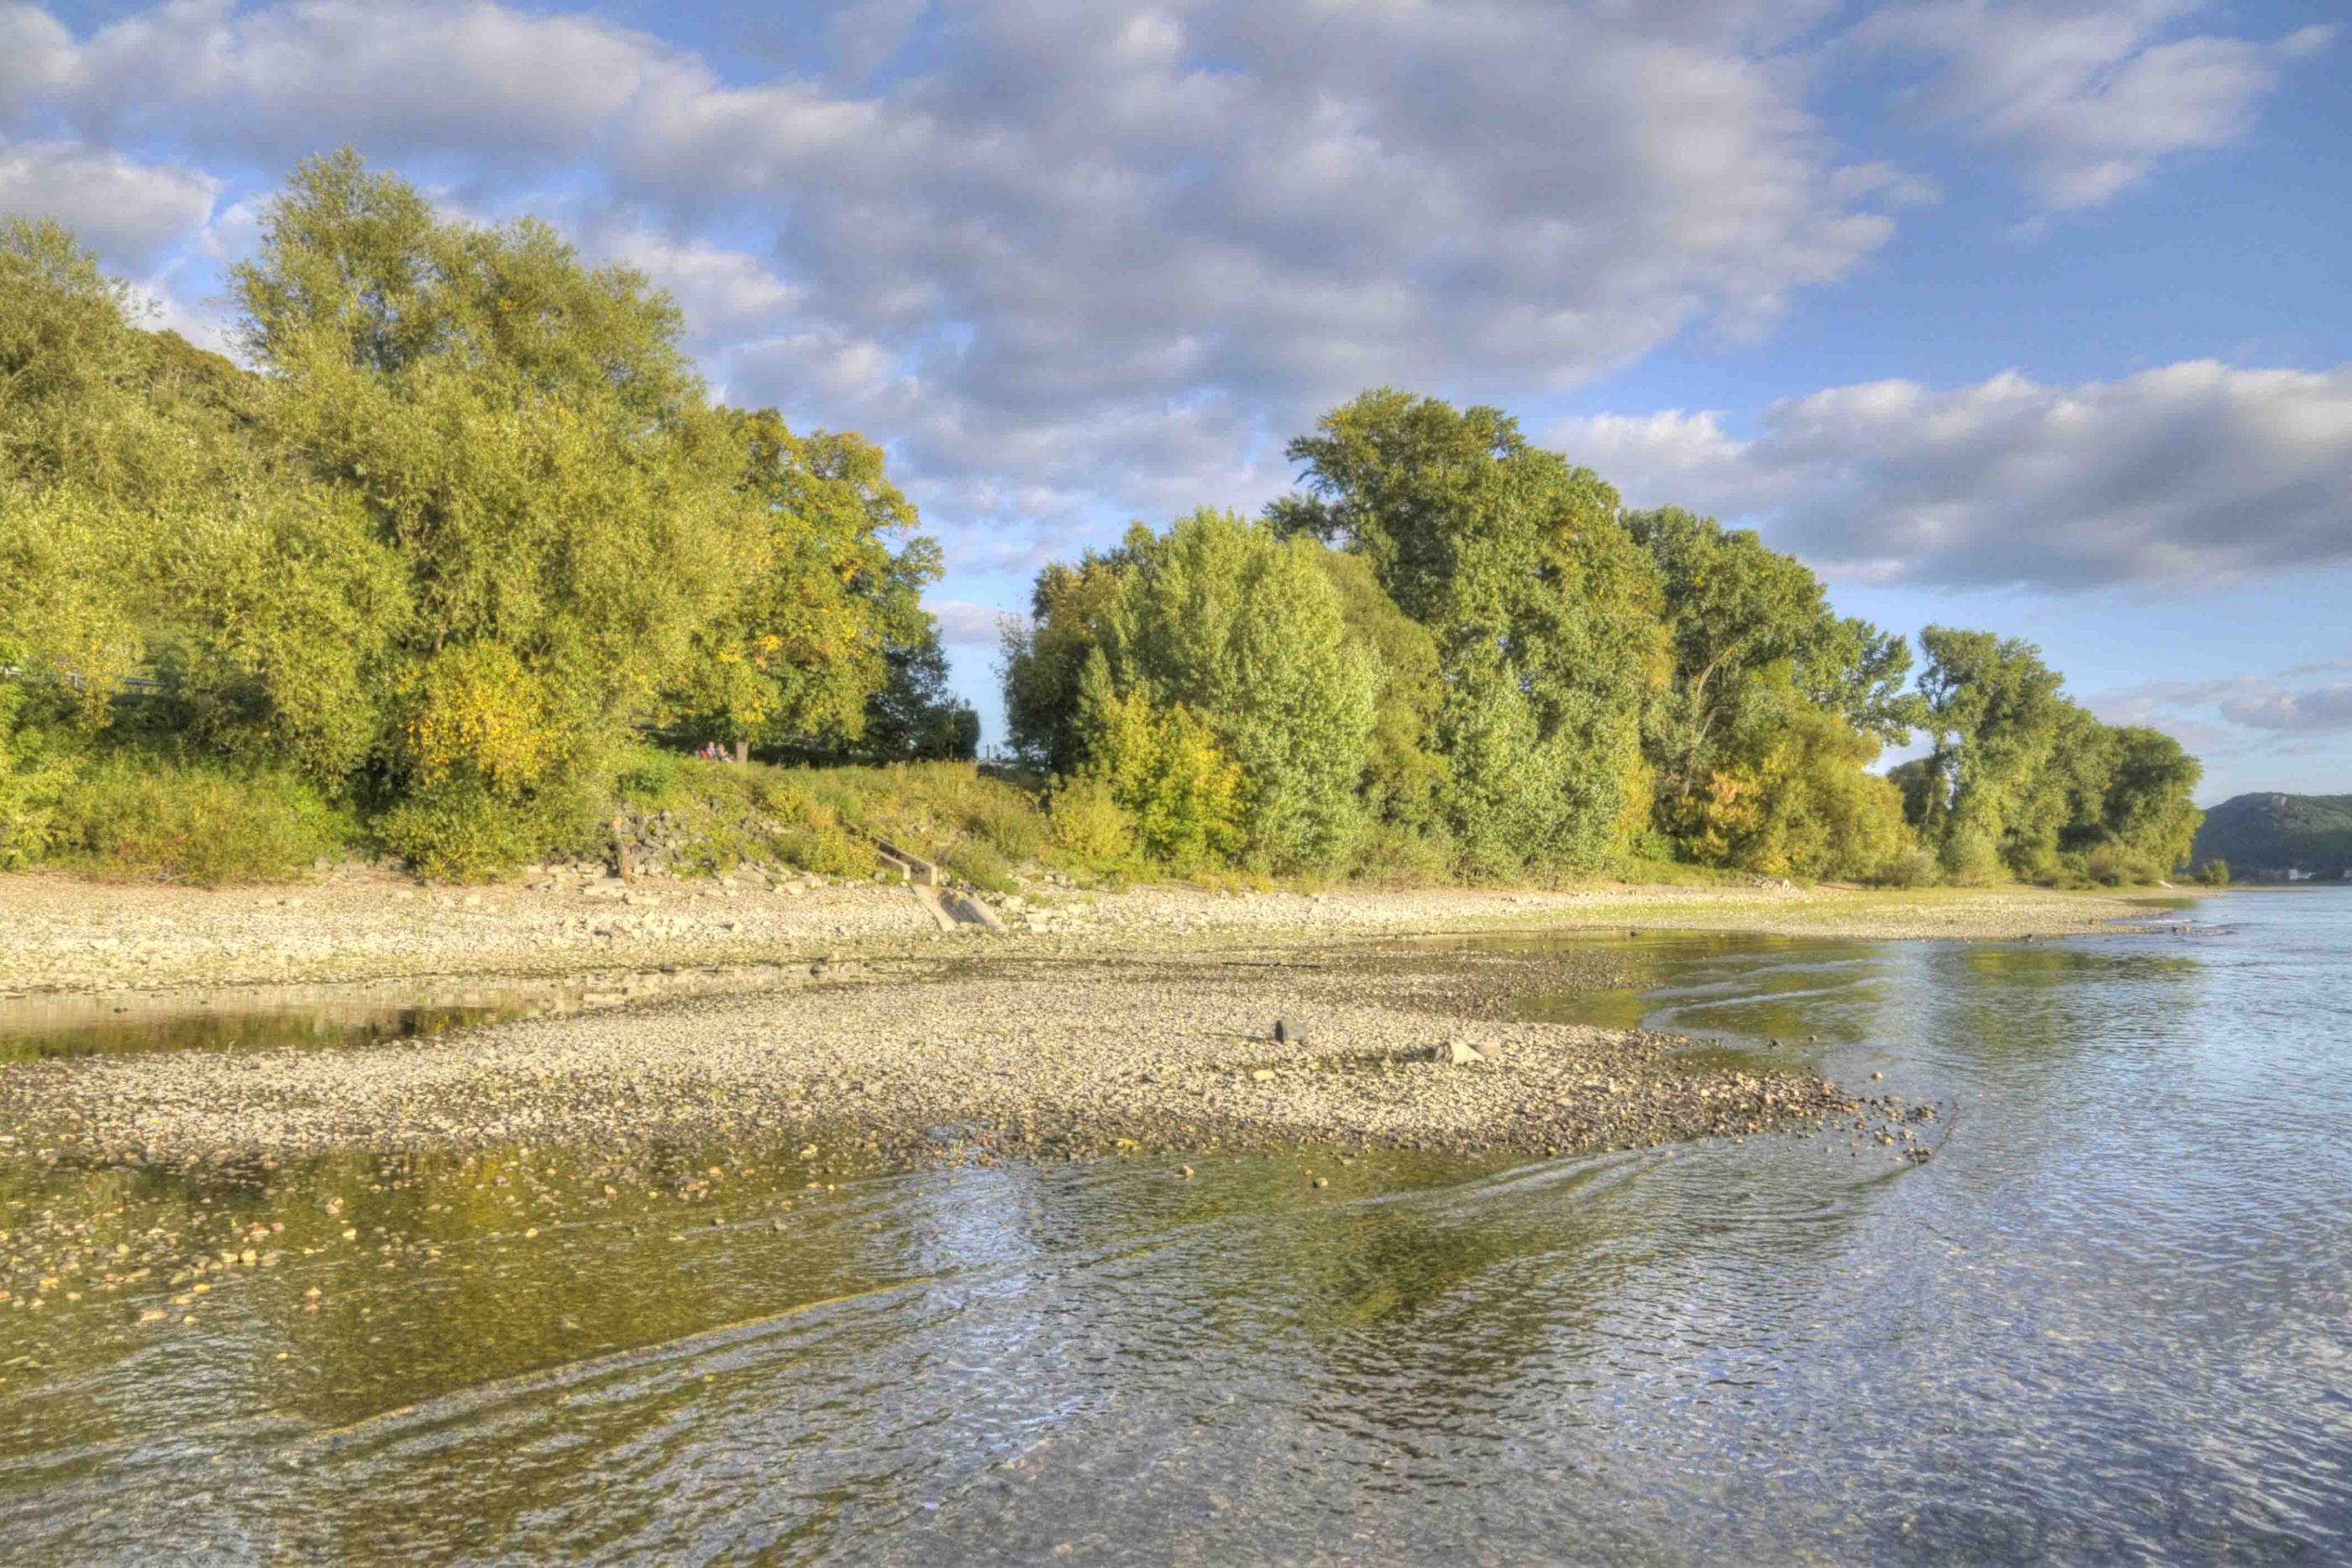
(2214, 873)
(1095, 834)
(1388, 854)
(465, 832)
(2111, 865)
(1970, 858)
(1913, 867)
(140, 817)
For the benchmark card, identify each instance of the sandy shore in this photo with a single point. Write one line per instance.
(61, 933)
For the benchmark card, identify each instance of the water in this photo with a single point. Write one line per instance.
(2110, 1321)
(43, 1027)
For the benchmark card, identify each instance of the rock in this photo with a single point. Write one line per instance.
(1285, 1034)
(1458, 1053)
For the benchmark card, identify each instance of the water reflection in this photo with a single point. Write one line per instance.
(44, 1026)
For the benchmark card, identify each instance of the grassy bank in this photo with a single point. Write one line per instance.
(131, 816)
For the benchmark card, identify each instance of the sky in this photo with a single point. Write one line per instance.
(2022, 317)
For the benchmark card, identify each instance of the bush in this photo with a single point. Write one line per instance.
(2214, 873)
(464, 830)
(2110, 866)
(144, 818)
(1389, 855)
(1971, 860)
(1913, 867)
(30, 784)
(1095, 834)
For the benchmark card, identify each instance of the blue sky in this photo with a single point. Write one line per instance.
(2026, 317)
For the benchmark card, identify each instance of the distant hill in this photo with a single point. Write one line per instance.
(2266, 836)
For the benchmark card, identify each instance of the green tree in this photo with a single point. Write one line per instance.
(1044, 660)
(1544, 611)
(1759, 662)
(828, 598)
(1994, 713)
(524, 435)
(1221, 623)
(2149, 807)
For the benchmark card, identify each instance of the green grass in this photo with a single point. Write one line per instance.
(982, 828)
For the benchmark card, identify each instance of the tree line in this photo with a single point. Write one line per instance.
(1453, 652)
(465, 527)
(470, 525)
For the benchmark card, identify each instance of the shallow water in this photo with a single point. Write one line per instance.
(253, 1017)
(2110, 1321)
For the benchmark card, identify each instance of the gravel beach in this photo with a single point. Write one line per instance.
(62, 934)
(1097, 1023)
(983, 1057)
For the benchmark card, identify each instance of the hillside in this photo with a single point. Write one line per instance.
(2267, 835)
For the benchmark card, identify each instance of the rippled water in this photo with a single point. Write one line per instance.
(2110, 1321)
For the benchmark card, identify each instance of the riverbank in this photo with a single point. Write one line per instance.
(1094, 1023)
(978, 1057)
(64, 933)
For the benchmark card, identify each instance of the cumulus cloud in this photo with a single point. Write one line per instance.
(128, 211)
(2321, 710)
(726, 296)
(2243, 719)
(1084, 243)
(2088, 96)
(283, 81)
(2177, 477)
(1086, 260)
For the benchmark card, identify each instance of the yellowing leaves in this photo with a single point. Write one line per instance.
(479, 713)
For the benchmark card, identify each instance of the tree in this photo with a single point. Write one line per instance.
(1219, 623)
(1759, 661)
(1544, 612)
(1043, 662)
(2148, 808)
(914, 717)
(524, 436)
(1994, 712)
(2022, 780)
(827, 605)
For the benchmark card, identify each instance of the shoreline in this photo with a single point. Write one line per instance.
(982, 1059)
(1117, 1023)
(63, 935)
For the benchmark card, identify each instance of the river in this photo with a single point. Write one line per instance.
(2109, 1320)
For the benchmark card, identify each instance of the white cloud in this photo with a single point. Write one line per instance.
(127, 211)
(2179, 477)
(966, 625)
(2088, 96)
(1095, 254)
(292, 79)
(2319, 710)
(726, 296)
